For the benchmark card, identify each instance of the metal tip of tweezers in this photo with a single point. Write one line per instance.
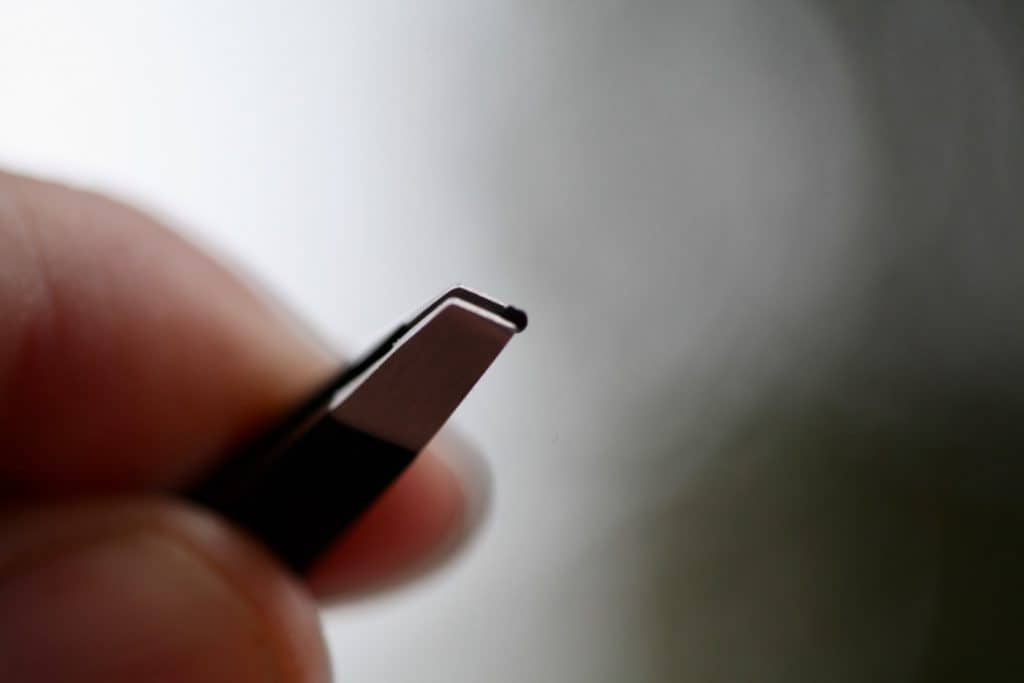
(428, 366)
(511, 314)
(322, 466)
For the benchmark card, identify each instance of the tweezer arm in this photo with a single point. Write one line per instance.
(308, 478)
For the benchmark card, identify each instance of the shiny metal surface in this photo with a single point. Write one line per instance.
(409, 394)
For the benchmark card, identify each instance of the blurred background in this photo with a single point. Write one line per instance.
(765, 424)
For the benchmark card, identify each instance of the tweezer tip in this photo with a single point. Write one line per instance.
(511, 314)
(517, 317)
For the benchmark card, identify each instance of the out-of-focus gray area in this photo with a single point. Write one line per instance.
(766, 422)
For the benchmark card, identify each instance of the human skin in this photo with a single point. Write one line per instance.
(129, 363)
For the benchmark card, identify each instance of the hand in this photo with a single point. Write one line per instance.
(129, 362)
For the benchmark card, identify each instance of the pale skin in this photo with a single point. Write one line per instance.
(129, 362)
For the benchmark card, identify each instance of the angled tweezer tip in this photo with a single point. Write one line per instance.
(517, 317)
(321, 467)
(431, 366)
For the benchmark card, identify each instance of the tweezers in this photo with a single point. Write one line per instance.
(312, 475)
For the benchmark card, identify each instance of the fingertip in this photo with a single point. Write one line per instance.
(156, 358)
(416, 526)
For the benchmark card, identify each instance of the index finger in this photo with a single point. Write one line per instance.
(131, 361)
(128, 358)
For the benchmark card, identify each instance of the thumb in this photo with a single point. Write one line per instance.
(147, 590)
